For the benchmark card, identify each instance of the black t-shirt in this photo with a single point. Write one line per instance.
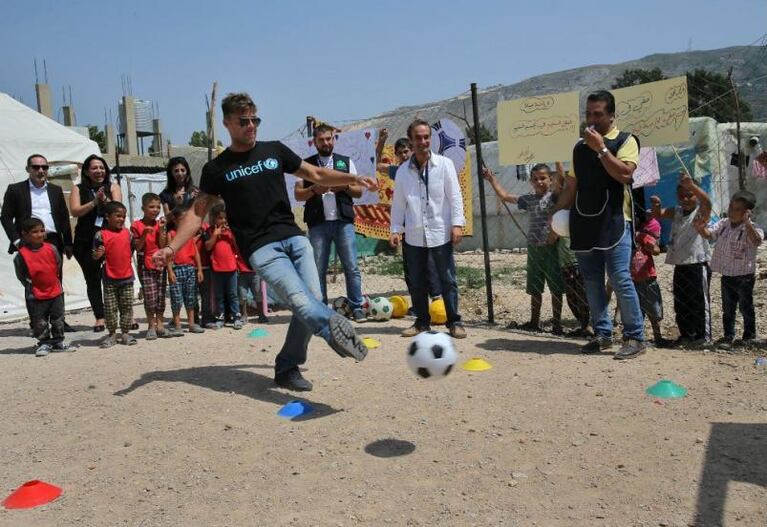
(252, 185)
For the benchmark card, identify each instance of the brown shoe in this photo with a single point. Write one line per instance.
(413, 330)
(457, 331)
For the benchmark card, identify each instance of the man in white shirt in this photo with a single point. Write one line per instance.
(427, 208)
(329, 214)
(38, 198)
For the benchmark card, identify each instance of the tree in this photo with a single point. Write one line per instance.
(485, 134)
(638, 76)
(710, 94)
(200, 138)
(97, 135)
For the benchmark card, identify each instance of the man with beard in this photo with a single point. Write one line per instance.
(329, 214)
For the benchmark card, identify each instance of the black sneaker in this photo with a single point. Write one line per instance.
(344, 340)
(630, 349)
(68, 328)
(596, 345)
(292, 380)
(724, 343)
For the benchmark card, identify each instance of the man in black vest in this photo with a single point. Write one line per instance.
(329, 214)
(599, 198)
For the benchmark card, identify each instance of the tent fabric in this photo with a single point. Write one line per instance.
(23, 132)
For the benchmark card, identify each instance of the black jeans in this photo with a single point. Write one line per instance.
(417, 259)
(92, 274)
(692, 303)
(738, 292)
(43, 313)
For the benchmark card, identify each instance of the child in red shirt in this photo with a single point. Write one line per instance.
(644, 275)
(188, 270)
(223, 263)
(149, 234)
(207, 318)
(114, 245)
(37, 266)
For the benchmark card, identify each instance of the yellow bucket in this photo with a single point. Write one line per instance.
(399, 306)
(437, 312)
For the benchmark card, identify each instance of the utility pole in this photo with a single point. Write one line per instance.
(741, 157)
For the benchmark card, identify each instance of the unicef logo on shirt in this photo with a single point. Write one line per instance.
(271, 164)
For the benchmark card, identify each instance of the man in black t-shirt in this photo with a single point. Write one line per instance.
(249, 177)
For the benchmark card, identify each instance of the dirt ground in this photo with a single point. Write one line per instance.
(185, 432)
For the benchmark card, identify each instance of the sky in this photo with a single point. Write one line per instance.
(336, 60)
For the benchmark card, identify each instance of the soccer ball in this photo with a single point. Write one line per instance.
(342, 306)
(381, 308)
(365, 305)
(431, 355)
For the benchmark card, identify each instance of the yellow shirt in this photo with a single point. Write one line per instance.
(628, 153)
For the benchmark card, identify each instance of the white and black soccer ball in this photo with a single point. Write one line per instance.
(342, 306)
(380, 309)
(365, 305)
(431, 355)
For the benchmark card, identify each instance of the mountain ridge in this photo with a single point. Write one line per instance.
(748, 62)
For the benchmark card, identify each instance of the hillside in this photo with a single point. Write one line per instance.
(748, 62)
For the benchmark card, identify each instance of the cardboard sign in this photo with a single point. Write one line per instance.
(538, 129)
(656, 112)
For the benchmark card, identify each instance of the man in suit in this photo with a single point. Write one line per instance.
(36, 197)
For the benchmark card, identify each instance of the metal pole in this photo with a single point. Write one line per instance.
(485, 244)
(741, 158)
(309, 126)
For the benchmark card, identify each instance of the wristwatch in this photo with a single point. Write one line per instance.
(602, 152)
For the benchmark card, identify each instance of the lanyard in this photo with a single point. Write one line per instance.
(423, 175)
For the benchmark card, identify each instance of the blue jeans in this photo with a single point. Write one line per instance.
(615, 262)
(225, 287)
(342, 234)
(289, 270)
(417, 259)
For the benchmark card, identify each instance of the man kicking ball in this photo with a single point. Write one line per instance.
(249, 177)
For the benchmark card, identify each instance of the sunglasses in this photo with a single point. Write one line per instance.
(244, 121)
(39, 167)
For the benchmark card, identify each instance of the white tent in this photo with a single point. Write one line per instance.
(23, 132)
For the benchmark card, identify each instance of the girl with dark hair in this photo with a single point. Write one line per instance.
(86, 203)
(179, 190)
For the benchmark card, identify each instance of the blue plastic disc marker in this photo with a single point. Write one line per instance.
(258, 333)
(295, 409)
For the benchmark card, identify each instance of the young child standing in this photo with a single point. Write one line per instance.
(645, 276)
(542, 258)
(37, 266)
(737, 239)
(149, 234)
(223, 263)
(114, 245)
(249, 286)
(187, 268)
(207, 299)
(689, 253)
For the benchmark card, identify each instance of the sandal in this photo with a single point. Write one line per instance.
(127, 339)
(98, 328)
(108, 341)
(134, 326)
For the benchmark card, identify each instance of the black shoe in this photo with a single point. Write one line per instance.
(596, 345)
(292, 380)
(68, 328)
(631, 348)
